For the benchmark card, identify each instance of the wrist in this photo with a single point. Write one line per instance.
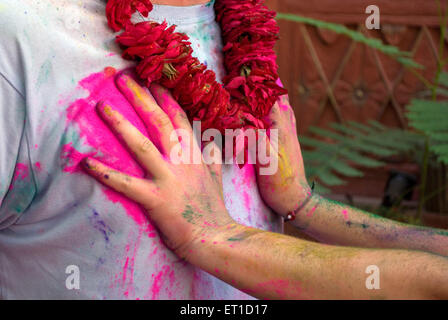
(291, 198)
(206, 233)
(301, 204)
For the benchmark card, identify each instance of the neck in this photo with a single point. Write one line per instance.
(180, 3)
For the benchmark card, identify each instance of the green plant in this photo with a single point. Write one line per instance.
(350, 146)
(403, 57)
(338, 153)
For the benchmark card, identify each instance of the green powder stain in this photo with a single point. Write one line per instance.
(21, 195)
(354, 224)
(44, 73)
(244, 235)
(190, 215)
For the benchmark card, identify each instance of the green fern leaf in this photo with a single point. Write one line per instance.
(400, 56)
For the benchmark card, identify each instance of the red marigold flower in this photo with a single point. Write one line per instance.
(249, 34)
(119, 12)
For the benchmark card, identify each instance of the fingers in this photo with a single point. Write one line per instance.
(168, 104)
(177, 116)
(143, 149)
(141, 191)
(157, 122)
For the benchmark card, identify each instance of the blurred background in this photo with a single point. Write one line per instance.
(371, 104)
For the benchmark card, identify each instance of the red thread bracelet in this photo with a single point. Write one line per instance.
(291, 216)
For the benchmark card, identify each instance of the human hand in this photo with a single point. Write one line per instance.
(284, 190)
(185, 201)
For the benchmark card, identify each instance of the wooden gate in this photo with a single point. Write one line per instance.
(331, 78)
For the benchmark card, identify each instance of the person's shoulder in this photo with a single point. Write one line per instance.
(19, 24)
(13, 17)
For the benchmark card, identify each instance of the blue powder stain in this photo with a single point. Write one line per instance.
(44, 73)
(100, 225)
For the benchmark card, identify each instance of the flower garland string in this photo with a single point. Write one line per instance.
(164, 56)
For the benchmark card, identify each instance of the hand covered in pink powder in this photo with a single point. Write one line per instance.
(185, 201)
(287, 187)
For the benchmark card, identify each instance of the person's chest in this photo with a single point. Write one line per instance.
(69, 58)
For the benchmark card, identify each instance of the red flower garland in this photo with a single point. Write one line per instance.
(249, 34)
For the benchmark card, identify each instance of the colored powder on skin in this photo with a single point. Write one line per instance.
(310, 213)
(345, 213)
(354, 224)
(71, 158)
(100, 139)
(282, 288)
(283, 104)
(284, 167)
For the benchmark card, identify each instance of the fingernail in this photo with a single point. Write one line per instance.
(122, 79)
(87, 163)
(104, 109)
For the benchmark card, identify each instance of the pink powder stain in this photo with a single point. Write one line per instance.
(38, 166)
(345, 213)
(71, 158)
(208, 224)
(125, 270)
(281, 103)
(247, 200)
(21, 173)
(128, 267)
(244, 184)
(101, 140)
(159, 279)
(201, 281)
(104, 146)
(310, 213)
(283, 288)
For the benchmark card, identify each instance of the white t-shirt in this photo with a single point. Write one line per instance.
(56, 222)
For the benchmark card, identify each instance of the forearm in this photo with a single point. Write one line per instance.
(274, 266)
(335, 223)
